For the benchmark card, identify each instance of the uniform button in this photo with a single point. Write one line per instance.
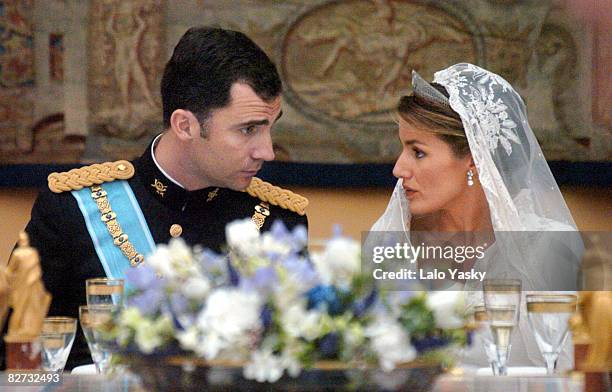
(176, 230)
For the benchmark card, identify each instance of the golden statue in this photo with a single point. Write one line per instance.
(592, 325)
(22, 289)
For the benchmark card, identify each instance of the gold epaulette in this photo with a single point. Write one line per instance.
(277, 196)
(95, 174)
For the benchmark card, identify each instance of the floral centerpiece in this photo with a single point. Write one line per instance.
(276, 309)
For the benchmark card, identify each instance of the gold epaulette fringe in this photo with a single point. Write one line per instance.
(277, 196)
(85, 176)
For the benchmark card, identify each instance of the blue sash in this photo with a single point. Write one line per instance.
(129, 216)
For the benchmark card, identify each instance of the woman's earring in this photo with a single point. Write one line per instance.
(470, 178)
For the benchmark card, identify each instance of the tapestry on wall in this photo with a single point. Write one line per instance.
(83, 85)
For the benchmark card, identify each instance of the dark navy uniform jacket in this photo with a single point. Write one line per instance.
(57, 230)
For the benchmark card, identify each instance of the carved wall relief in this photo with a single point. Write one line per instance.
(125, 56)
(348, 61)
(344, 65)
(16, 76)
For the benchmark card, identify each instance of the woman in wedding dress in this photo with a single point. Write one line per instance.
(471, 163)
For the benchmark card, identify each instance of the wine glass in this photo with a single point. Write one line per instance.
(548, 316)
(502, 303)
(56, 338)
(484, 338)
(91, 323)
(104, 291)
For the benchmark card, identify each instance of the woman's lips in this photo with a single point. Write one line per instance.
(410, 193)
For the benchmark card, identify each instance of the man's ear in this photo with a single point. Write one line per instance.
(184, 125)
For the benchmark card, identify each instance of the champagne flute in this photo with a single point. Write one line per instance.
(502, 302)
(548, 316)
(483, 336)
(91, 322)
(56, 337)
(104, 291)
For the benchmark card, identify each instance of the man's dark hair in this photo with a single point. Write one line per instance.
(206, 63)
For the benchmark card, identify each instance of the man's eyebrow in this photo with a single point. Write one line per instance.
(254, 123)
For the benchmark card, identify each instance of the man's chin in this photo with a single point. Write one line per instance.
(240, 184)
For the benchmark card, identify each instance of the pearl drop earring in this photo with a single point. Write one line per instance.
(470, 178)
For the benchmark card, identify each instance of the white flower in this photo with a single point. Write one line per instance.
(300, 323)
(264, 367)
(147, 337)
(130, 317)
(196, 288)
(243, 236)
(447, 307)
(228, 315)
(180, 252)
(354, 335)
(269, 244)
(160, 260)
(339, 262)
(390, 342)
(211, 345)
(173, 260)
(291, 364)
(188, 338)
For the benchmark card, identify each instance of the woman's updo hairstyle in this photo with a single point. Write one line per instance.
(427, 115)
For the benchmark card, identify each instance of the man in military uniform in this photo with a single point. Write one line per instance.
(221, 97)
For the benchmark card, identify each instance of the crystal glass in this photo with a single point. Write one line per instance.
(483, 337)
(104, 291)
(92, 320)
(548, 316)
(502, 302)
(56, 338)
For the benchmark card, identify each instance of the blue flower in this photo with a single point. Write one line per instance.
(148, 302)
(149, 287)
(211, 261)
(296, 239)
(264, 278)
(429, 343)
(301, 269)
(329, 345)
(234, 276)
(300, 236)
(360, 307)
(142, 278)
(266, 316)
(325, 297)
(279, 230)
(176, 307)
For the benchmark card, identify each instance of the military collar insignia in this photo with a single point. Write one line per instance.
(212, 194)
(159, 187)
(157, 184)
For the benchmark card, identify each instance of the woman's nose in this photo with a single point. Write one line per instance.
(402, 168)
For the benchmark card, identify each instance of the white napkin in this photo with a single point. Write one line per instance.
(85, 369)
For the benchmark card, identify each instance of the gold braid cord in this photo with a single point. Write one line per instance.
(277, 196)
(86, 176)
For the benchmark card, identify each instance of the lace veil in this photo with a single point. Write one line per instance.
(522, 194)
